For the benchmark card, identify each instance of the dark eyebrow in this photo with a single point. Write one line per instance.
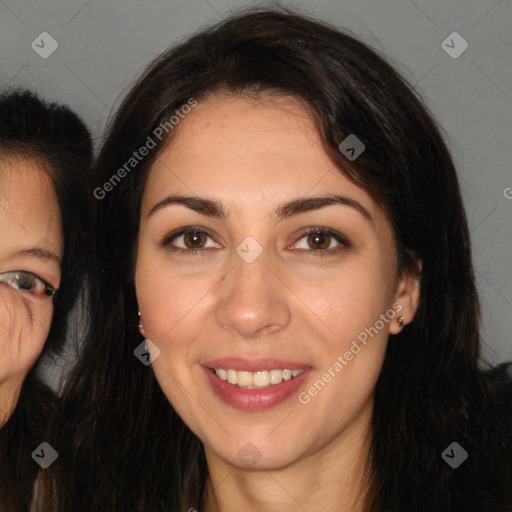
(38, 252)
(214, 208)
(306, 204)
(202, 205)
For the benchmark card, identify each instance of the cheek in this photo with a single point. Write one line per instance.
(175, 310)
(172, 303)
(351, 300)
(351, 337)
(39, 327)
(25, 325)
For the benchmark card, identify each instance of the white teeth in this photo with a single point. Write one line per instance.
(232, 377)
(276, 376)
(245, 379)
(260, 379)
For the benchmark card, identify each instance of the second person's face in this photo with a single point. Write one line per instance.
(30, 252)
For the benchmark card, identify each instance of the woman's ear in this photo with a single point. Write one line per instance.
(408, 295)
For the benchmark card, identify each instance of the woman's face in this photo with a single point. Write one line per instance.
(30, 253)
(256, 297)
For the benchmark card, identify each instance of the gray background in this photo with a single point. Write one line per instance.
(104, 45)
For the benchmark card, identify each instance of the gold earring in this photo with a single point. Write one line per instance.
(401, 321)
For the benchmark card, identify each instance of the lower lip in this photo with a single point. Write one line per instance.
(254, 399)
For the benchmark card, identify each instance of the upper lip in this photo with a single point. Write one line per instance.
(253, 365)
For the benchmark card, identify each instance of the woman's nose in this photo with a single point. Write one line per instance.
(253, 300)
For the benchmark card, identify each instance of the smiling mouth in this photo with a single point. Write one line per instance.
(256, 380)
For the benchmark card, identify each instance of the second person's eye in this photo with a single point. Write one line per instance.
(27, 282)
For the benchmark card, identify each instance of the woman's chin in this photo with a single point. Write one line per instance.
(256, 454)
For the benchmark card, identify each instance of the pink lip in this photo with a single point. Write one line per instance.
(254, 399)
(255, 365)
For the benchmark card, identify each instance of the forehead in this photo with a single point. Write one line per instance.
(225, 129)
(256, 153)
(21, 176)
(29, 208)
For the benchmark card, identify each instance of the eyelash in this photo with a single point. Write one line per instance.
(166, 241)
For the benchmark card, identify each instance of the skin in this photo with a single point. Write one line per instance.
(288, 303)
(29, 218)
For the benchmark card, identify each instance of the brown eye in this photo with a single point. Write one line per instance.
(191, 241)
(319, 241)
(194, 239)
